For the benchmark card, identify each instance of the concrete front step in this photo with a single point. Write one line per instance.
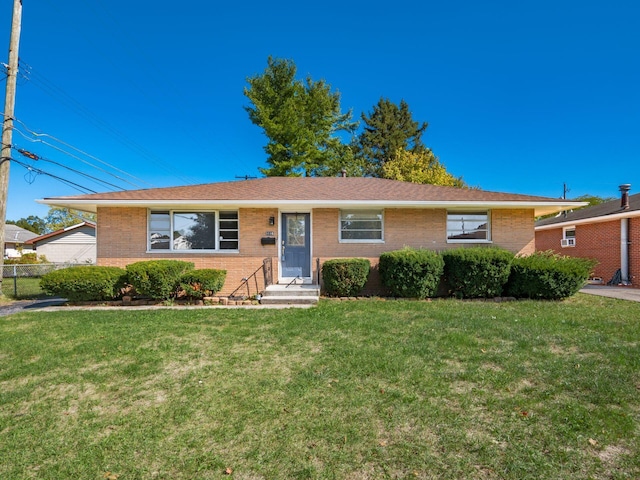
(293, 290)
(291, 295)
(282, 300)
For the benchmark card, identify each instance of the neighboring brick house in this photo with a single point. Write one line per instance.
(609, 233)
(74, 244)
(297, 223)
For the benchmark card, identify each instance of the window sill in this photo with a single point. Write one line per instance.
(362, 241)
(194, 252)
(470, 241)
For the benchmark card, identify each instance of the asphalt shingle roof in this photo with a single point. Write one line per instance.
(310, 189)
(15, 234)
(596, 211)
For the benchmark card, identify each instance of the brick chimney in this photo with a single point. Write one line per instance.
(624, 196)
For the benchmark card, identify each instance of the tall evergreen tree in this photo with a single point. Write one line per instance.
(388, 129)
(300, 120)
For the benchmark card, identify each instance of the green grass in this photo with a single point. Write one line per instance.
(355, 390)
(22, 288)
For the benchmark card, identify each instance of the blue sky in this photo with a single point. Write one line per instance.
(520, 96)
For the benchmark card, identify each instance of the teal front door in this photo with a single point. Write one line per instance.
(295, 248)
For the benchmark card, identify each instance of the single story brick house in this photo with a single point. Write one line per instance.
(297, 223)
(74, 244)
(609, 233)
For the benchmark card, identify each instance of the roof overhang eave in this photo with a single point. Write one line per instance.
(540, 207)
(603, 218)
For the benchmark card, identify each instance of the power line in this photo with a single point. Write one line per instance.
(35, 157)
(38, 140)
(39, 171)
(59, 94)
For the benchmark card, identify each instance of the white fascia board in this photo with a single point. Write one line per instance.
(92, 205)
(601, 219)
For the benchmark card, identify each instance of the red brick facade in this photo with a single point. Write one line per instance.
(122, 239)
(601, 241)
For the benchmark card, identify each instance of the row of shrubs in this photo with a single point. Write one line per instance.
(463, 273)
(155, 279)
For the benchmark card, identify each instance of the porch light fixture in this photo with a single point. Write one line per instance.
(272, 220)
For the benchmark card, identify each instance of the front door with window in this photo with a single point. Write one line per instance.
(295, 250)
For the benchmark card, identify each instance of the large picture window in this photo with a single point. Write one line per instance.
(468, 227)
(361, 226)
(193, 231)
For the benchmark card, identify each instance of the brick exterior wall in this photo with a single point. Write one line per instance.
(600, 241)
(122, 239)
(417, 228)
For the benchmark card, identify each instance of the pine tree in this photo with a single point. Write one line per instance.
(300, 120)
(388, 129)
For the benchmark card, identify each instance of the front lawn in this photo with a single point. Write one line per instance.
(354, 390)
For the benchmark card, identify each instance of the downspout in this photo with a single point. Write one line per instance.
(624, 234)
(624, 250)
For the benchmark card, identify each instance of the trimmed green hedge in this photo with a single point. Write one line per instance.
(157, 279)
(202, 283)
(546, 275)
(476, 272)
(85, 283)
(345, 277)
(411, 273)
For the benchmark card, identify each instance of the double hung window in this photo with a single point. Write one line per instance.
(361, 226)
(568, 237)
(190, 231)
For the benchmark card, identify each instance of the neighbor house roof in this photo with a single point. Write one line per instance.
(15, 234)
(604, 212)
(46, 236)
(312, 192)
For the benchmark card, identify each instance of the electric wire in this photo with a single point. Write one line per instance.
(39, 140)
(39, 171)
(35, 157)
(63, 97)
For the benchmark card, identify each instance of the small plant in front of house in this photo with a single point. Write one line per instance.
(411, 273)
(157, 279)
(547, 275)
(476, 272)
(202, 283)
(345, 277)
(85, 283)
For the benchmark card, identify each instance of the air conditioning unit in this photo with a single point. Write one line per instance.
(568, 242)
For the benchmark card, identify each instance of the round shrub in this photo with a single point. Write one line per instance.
(345, 277)
(477, 272)
(411, 273)
(546, 275)
(85, 283)
(202, 283)
(157, 279)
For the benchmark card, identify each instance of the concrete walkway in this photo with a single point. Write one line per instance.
(622, 293)
(29, 305)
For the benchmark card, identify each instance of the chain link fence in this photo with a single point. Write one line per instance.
(23, 281)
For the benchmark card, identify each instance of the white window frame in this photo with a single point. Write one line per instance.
(362, 240)
(470, 240)
(172, 212)
(568, 241)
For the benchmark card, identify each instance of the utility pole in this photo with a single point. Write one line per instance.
(7, 125)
